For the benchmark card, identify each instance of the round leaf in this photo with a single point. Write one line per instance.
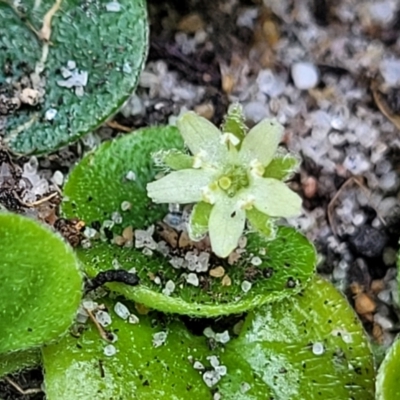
(41, 284)
(118, 172)
(144, 367)
(101, 42)
(387, 381)
(286, 266)
(308, 346)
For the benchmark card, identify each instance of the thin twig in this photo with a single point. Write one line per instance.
(45, 32)
(19, 388)
(118, 126)
(42, 200)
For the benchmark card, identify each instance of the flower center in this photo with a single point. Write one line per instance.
(233, 179)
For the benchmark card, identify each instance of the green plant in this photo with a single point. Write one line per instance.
(66, 68)
(272, 329)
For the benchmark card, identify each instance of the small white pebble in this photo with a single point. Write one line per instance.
(209, 333)
(116, 217)
(213, 361)
(170, 286)
(242, 242)
(131, 176)
(246, 286)
(211, 378)
(122, 310)
(217, 396)
(157, 280)
(127, 68)
(192, 279)
(318, 348)
(147, 252)
(110, 350)
(256, 261)
(113, 6)
(90, 233)
(103, 318)
(133, 319)
(58, 178)
(198, 365)
(305, 75)
(222, 337)
(221, 370)
(125, 206)
(245, 387)
(159, 338)
(89, 305)
(50, 114)
(71, 64)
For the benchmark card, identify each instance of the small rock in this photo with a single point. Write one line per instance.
(368, 241)
(217, 272)
(191, 23)
(305, 75)
(364, 304)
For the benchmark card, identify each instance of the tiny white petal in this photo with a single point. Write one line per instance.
(261, 142)
(229, 138)
(226, 225)
(200, 134)
(274, 198)
(184, 186)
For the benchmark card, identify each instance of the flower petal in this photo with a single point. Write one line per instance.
(200, 134)
(261, 142)
(274, 198)
(184, 186)
(226, 225)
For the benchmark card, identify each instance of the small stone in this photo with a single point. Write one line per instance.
(103, 318)
(318, 348)
(50, 114)
(211, 378)
(384, 322)
(222, 337)
(209, 333)
(131, 176)
(71, 65)
(191, 23)
(113, 6)
(213, 361)
(58, 178)
(226, 281)
(364, 304)
(127, 233)
(217, 272)
(256, 261)
(390, 70)
(305, 75)
(122, 310)
(246, 286)
(199, 366)
(192, 279)
(221, 370)
(133, 319)
(205, 110)
(159, 338)
(368, 241)
(147, 252)
(245, 387)
(170, 286)
(310, 187)
(126, 206)
(110, 350)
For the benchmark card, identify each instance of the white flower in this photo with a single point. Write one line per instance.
(228, 174)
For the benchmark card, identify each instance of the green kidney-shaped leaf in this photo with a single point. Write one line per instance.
(104, 40)
(142, 368)
(387, 381)
(309, 346)
(41, 284)
(118, 172)
(97, 188)
(18, 361)
(286, 266)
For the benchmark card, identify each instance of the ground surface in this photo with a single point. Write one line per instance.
(340, 114)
